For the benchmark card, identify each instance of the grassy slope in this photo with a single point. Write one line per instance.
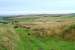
(22, 41)
(33, 43)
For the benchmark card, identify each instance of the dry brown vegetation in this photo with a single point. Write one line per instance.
(55, 28)
(8, 38)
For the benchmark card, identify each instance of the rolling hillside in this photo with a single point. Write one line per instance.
(38, 32)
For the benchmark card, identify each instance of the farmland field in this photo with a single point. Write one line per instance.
(38, 33)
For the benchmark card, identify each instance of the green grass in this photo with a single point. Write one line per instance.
(37, 43)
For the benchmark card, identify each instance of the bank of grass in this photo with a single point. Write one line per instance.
(23, 39)
(30, 42)
(26, 39)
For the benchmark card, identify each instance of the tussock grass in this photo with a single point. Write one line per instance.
(8, 38)
(50, 28)
(69, 33)
(65, 29)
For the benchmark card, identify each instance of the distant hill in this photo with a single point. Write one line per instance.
(55, 15)
(45, 15)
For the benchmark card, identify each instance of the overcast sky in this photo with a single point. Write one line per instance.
(36, 6)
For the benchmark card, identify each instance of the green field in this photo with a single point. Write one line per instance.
(45, 33)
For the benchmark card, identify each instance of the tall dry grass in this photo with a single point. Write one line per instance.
(69, 33)
(8, 38)
(53, 28)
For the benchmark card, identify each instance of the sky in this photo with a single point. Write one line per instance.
(15, 7)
